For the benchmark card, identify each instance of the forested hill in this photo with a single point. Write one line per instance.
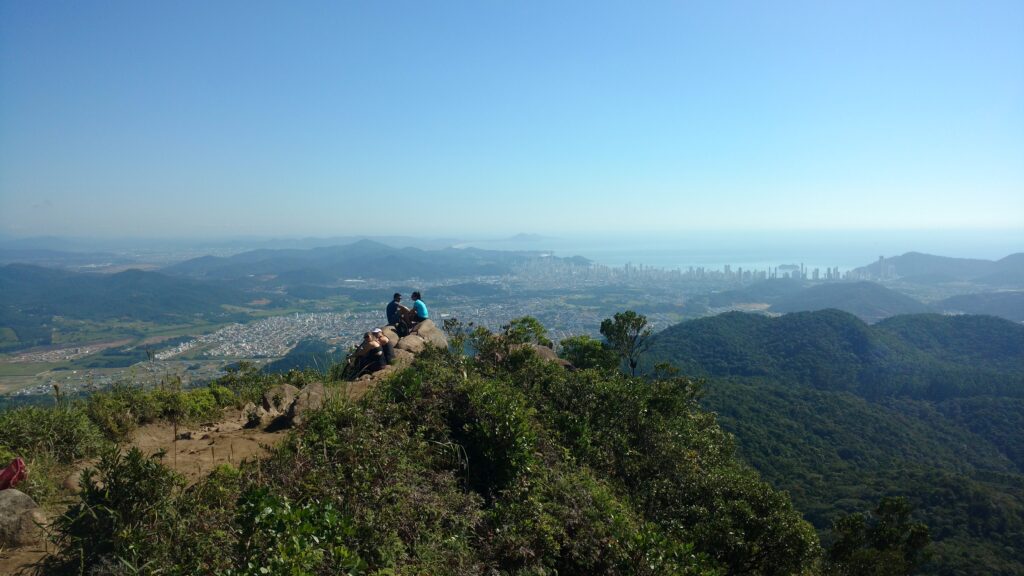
(841, 413)
(33, 296)
(868, 301)
(923, 356)
(362, 259)
(928, 268)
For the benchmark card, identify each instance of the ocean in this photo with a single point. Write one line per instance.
(757, 250)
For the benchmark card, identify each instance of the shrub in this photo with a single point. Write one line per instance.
(224, 396)
(494, 425)
(409, 512)
(63, 432)
(120, 410)
(6, 455)
(124, 518)
(247, 383)
(500, 464)
(281, 537)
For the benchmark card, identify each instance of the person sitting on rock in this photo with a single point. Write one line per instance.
(369, 355)
(398, 315)
(419, 310)
(385, 345)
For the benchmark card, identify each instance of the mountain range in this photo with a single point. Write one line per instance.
(361, 259)
(869, 301)
(927, 268)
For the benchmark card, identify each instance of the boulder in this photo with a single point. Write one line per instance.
(431, 333)
(71, 482)
(389, 331)
(411, 343)
(377, 376)
(425, 326)
(278, 398)
(549, 355)
(403, 357)
(310, 398)
(252, 415)
(545, 353)
(20, 519)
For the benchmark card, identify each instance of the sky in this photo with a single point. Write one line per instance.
(196, 118)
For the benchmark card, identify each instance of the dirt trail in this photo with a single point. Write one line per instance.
(196, 450)
(195, 453)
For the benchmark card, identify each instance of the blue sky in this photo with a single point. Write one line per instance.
(441, 118)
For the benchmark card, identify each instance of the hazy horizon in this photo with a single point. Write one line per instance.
(681, 249)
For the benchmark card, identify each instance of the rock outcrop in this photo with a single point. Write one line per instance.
(278, 400)
(548, 354)
(431, 334)
(312, 397)
(21, 519)
(412, 343)
(293, 405)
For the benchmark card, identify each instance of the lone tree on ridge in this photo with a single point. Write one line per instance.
(627, 333)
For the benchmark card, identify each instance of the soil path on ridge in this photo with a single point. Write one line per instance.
(195, 452)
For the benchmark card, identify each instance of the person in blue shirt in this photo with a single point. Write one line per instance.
(419, 308)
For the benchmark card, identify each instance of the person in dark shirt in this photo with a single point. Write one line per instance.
(397, 315)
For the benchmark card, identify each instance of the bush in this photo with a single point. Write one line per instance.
(247, 383)
(120, 410)
(6, 456)
(224, 396)
(410, 513)
(187, 406)
(280, 537)
(124, 519)
(65, 433)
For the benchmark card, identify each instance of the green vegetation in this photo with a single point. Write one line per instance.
(53, 438)
(503, 463)
(868, 301)
(39, 302)
(841, 415)
(628, 335)
(1009, 305)
(586, 352)
(28, 368)
(886, 543)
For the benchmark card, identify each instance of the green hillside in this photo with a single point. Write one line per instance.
(839, 413)
(456, 465)
(1009, 305)
(33, 296)
(866, 300)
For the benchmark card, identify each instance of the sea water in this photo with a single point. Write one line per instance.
(759, 250)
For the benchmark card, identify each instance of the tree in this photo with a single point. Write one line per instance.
(627, 333)
(526, 330)
(586, 352)
(888, 544)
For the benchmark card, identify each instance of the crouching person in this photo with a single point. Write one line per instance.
(385, 345)
(369, 355)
